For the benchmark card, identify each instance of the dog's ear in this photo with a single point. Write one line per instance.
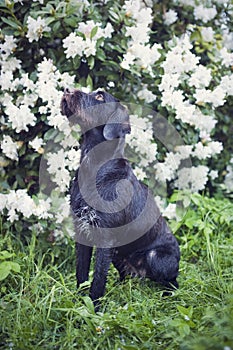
(118, 124)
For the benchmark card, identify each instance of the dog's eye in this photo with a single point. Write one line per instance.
(99, 97)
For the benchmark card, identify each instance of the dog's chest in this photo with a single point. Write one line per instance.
(85, 219)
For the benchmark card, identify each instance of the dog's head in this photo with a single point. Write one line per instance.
(95, 109)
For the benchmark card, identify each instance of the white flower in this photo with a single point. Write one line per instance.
(207, 151)
(169, 81)
(216, 147)
(74, 45)
(63, 211)
(138, 33)
(170, 17)
(146, 95)
(73, 159)
(213, 174)
(8, 46)
(180, 59)
(141, 139)
(57, 168)
(46, 68)
(11, 64)
(227, 84)
(207, 34)
(36, 144)
(167, 169)
(145, 55)
(36, 27)
(132, 7)
(205, 123)
(205, 14)
(193, 178)
(139, 173)
(201, 77)
(185, 112)
(140, 12)
(217, 97)
(144, 16)
(90, 48)
(108, 30)
(187, 2)
(87, 27)
(42, 209)
(3, 201)
(25, 203)
(6, 80)
(229, 176)
(227, 39)
(190, 61)
(27, 83)
(202, 96)
(128, 60)
(111, 84)
(172, 98)
(170, 211)
(9, 147)
(184, 151)
(20, 202)
(20, 117)
(163, 172)
(227, 57)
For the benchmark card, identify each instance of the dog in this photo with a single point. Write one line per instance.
(112, 210)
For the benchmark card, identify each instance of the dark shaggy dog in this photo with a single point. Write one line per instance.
(112, 210)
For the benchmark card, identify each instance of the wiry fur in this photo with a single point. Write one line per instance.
(153, 254)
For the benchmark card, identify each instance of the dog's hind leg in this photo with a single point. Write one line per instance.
(163, 262)
(102, 264)
(83, 260)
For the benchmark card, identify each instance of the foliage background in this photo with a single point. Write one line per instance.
(172, 57)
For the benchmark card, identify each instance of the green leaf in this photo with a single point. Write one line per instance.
(93, 32)
(56, 26)
(89, 82)
(14, 266)
(187, 312)
(91, 62)
(50, 134)
(76, 61)
(101, 55)
(71, 21)
(89, 304)
(5, 270)
(4, 254)
(184, 330)
(11, 23)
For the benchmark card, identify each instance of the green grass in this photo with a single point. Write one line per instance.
(41, 308)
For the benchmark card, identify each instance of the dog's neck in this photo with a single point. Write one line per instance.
(93, 143)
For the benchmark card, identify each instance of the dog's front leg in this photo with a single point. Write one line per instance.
(83, 260)
(103, 260)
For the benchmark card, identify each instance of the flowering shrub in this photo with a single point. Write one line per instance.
(172, 57)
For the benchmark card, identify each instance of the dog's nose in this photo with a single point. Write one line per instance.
(66, 90)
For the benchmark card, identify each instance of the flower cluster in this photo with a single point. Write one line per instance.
(59, 166)
(132, 52)
(139, 52)
(36, 28)
(86, 43)
(19, 202)
(142, 141)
